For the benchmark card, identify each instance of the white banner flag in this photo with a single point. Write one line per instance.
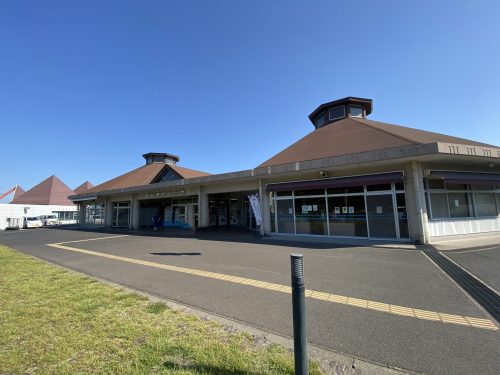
(255, 204)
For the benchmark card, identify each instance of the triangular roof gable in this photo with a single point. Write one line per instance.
(355, 135)
(145, 175)
(83, 187)
(50, 191)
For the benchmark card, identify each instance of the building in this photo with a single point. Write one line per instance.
(49, 197)
(351, 177)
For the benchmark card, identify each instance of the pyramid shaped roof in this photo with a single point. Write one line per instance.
(50, 191)
(355, 135)
(83, 187)
(18, 192)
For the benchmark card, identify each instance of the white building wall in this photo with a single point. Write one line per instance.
(21, 210)
(453, 227)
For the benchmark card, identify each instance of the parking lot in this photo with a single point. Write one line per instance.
(388, 305)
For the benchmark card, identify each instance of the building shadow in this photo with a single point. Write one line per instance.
(230, 234)
(175, 254)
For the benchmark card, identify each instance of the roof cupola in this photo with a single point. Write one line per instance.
(328, 113)
(160, 157)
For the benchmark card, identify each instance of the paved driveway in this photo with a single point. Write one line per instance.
(392, 306)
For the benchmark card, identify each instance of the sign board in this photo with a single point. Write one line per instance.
(351, 209)
(255, 204)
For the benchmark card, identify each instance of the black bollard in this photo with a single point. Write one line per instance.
(299, 315)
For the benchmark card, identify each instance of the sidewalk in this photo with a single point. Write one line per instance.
(468, 243)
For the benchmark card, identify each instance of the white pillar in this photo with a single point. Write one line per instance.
(135, 211)
(190, 215)
(417, 210)
(202, 208)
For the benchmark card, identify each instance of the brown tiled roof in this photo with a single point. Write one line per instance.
(355, 135)
(18, 192)
(50, 191)
(83, 187)
(140, 176)
(144, 175)
(188, 173)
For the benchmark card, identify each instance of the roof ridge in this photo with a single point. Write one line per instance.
(384, 130)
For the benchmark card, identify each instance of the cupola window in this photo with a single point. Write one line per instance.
(356, 111)
(337, 112)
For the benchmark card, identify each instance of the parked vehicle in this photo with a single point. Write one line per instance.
(32, 222)
(49, 219)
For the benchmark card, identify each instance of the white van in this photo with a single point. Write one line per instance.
(32, 222)
(49, 219)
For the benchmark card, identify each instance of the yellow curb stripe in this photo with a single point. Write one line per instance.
(97, 239)
(333, 298)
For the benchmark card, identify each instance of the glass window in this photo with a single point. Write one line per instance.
(285, 216)
(381, 216)
(438, 205)
(399, 186)
(485, 204)
(272, 212)
(456, 186)
(378, 187)
(347, 216)
(121, 214)
(321, 119)
(346, 190)
(356, 111)
(435, 184)
(337, 112)
(284, 193)
(483, 187)
(310, 216)
(309, 192)
(402, 215)
(458, 204)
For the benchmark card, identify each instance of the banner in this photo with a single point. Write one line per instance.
(255, 204)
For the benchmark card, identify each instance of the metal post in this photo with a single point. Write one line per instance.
(299, 315)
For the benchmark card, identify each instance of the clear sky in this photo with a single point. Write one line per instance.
(87, 87)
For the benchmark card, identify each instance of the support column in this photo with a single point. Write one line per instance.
(203, 208)
(81, 214)
(135, 213)
(190, 216)
(108, 213)
(417, 210)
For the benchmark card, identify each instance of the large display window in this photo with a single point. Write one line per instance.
(364, 211)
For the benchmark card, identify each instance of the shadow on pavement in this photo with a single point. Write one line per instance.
(223, 234)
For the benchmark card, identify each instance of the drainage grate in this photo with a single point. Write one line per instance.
(483, 295)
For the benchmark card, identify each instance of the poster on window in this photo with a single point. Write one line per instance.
(337, 210)
(351, 209)
(344, 210)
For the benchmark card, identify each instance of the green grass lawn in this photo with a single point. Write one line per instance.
(54, 321)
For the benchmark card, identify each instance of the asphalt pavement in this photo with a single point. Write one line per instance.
(402, 278)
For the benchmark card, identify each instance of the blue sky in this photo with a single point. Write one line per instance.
(87, 87)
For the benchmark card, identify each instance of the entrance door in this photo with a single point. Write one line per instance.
(180, 215)
(381, 216)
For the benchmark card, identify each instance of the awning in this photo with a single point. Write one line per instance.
(82, 199)
(338, 182)
(477, 178)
